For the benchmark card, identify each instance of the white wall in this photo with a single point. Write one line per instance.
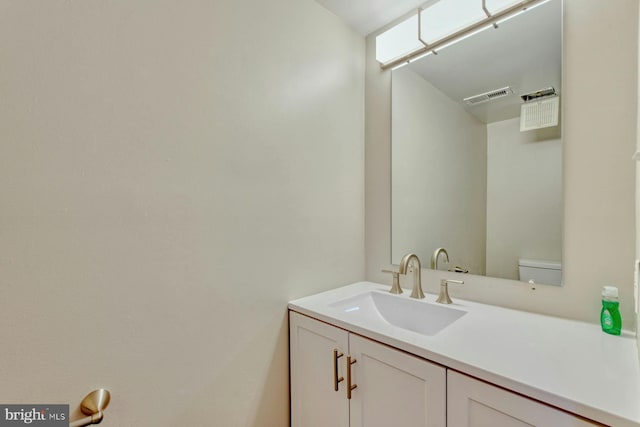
(524, 198)
(439, 159)
(599, 136)
(638, 199)
(171, 174)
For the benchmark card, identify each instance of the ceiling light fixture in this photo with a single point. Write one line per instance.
(443, 24)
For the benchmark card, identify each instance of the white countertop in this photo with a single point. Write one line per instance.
(568, 364)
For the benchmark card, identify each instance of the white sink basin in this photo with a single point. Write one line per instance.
(415, 315)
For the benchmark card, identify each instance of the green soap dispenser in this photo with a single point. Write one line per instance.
(610, 318)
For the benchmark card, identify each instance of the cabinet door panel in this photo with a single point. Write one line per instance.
(472, 403)
(314, 402)
(394, 388)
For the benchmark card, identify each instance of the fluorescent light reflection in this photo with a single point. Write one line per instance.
(402, 64)
(420, 56)
(439, 21)
(466, 36)
(506, 18)
(411, 60)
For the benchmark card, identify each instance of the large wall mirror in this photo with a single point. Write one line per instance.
(464, 175)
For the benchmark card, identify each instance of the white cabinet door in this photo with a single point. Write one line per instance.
(314, 401)
(472, 403)
(394, 389)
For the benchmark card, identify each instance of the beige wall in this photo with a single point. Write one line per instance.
(599, 136)
(439, 160)
(171, 174)
(524, 198)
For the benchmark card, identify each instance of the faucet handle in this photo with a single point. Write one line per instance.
(444, 298)
(395, 288)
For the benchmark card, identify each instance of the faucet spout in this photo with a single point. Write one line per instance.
(412, 262)
(436, 255)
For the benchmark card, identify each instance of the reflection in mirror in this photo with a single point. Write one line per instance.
(464, 175)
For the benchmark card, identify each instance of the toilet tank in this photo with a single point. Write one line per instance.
(540, 271)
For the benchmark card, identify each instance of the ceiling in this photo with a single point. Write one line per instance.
(367, 16)
(524, 53)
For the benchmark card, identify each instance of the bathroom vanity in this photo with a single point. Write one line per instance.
(363, 357)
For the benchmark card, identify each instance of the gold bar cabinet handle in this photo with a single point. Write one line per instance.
(350, 361)
(336, 379)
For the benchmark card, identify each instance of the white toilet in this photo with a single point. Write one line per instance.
(540, 271)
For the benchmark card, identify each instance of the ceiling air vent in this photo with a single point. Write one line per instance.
(540, 109)
(542, 93)
(539, 113)
(488, 96)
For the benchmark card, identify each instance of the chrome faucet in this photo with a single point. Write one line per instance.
(412, 262)
(436, 255)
